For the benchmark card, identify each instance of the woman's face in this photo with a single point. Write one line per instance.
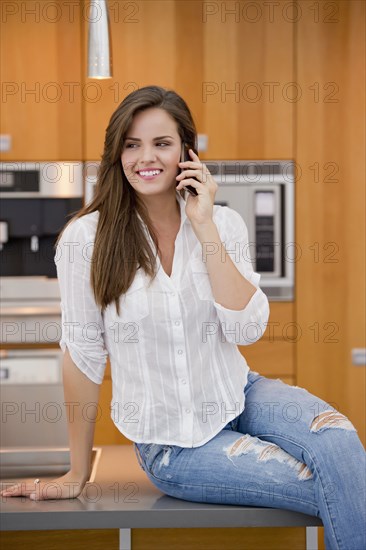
(151, 152)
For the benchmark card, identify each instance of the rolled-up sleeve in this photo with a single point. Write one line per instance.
(82, 326)
(245, 326)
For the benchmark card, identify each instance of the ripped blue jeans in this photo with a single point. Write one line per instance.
(287, 449)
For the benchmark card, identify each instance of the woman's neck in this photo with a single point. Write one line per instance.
(163, 211)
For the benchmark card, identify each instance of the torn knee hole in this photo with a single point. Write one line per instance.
(331, 419)
(266, 451)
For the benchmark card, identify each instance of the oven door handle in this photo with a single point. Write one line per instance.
(29, 311)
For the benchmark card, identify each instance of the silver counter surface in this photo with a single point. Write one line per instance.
(122, 497)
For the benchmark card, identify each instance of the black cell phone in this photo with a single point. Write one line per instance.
(184, 157)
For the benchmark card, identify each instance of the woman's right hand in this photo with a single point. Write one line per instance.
(68, 486)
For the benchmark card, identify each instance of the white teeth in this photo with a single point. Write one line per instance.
(149, 173)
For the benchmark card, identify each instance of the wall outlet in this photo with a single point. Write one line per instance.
(359, 356)
(202, 143)
(5, 143)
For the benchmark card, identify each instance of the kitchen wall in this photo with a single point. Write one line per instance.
(330, 205)
(263, 82)
(234, 74)
(281, 80)
(41, 103)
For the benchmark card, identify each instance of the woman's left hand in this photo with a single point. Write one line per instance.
(199, 209)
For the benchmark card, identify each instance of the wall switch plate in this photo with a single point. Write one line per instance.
(202, 143)
(5, 143)
(359, 356)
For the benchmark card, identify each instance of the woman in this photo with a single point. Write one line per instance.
(160, 280)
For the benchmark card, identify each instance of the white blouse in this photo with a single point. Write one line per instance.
(177, 374)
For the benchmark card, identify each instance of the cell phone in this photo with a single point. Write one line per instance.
(184, 157)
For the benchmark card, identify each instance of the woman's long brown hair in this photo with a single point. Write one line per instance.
(121, 245)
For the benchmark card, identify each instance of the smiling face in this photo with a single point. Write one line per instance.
(151, 153)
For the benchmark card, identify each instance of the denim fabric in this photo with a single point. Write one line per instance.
(282, 451)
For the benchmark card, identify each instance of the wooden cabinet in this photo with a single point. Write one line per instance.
(106, 432)
(237, 93)
(233, 72)
(330, 205)
(40, 59)
(274, 354)
(159, 539)
(248, 64)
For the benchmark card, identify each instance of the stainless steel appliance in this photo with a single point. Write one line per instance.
(37, 199)
(263, 194)
(32, 399)
(19, 464)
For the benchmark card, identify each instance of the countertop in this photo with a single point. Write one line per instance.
(122, 497)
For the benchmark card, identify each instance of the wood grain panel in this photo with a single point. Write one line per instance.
(271, 358)
(282, 312)
(41, 87)
(106, 432)
(244, 59)
(144, 53)
(159, 539)
(281, 323)
(355, 214)
(90, 539)
(330, 203)
(190, 58)
(217, 539)
(177, 44)
(221, 73)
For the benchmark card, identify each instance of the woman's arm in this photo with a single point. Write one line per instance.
(242, 307)
(79, 392)
(229, 287)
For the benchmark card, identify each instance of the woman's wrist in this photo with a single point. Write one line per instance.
(205, 232)
(80, 477)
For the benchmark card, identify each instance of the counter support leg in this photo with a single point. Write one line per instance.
(311, 538)
(125, 539)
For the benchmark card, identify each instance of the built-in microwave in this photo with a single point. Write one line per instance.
(262, 192)
(37, 199)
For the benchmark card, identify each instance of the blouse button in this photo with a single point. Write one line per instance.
(180, 351)
(188, 411)
(177, 323)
